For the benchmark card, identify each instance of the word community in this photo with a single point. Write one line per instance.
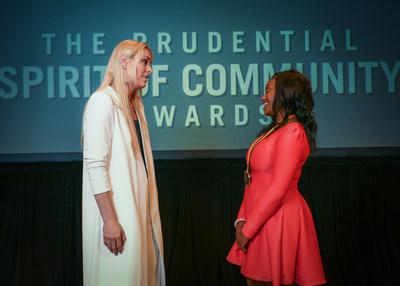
(215, 80)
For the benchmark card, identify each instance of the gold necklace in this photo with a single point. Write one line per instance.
(247, 177)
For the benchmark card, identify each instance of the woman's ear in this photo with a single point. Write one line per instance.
(123, 62)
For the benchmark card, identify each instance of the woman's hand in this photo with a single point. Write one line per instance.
(114, 237)
(241, 240)
(113, 233)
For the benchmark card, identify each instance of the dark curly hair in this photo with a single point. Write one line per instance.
(293, 95)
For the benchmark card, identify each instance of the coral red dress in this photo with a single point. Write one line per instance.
(283, 246)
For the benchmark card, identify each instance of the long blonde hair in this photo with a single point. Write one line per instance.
(115, 75)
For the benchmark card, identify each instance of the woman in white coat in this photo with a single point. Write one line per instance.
(122, 239)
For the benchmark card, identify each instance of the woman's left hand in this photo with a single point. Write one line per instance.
(241, 240)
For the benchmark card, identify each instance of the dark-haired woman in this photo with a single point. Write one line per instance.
(276, 242)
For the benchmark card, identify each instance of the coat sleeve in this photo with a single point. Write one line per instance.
(98, 125)
(288, 157)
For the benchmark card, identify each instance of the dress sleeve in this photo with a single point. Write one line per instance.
(98, 125)
(289, 155)
(241, 214)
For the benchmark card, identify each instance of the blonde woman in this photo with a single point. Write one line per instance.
(122, 239)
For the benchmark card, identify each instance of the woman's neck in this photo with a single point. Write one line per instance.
(291, 118)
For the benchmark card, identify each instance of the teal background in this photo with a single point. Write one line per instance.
(43, 125)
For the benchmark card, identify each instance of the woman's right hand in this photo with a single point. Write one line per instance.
(113, 233)
(114, 237)
(241, 240)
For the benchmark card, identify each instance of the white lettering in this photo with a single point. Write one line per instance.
(216, 113)
(327, 41)
(349, 47)
(192, 117)
(368, 66)
(264, 41)
(48, 37)
(241, 115)
(28, 82)
(210, 79)
(186, 80)
(70, 83)
(236, 74)
(237, 42)
(164, 39)
(13, 88)
(214, 42)
(185, 44)
(287, 35)
(391, 75)
(157, 79)
(140, 37)
(164, 115)
(337, 81)
(97, 43)
(76, 43)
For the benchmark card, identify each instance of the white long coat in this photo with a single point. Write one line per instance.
(109, 164)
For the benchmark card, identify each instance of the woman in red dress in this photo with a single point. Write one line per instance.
(276, 242)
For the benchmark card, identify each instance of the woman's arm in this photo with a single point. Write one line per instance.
(113, 233)
(289, 152)
(98, 132)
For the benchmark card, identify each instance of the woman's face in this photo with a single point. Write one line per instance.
(268, 98)
(139, 79)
